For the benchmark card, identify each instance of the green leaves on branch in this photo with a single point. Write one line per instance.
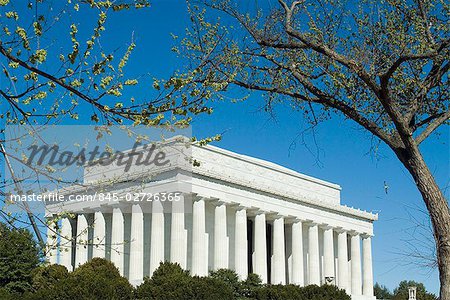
(39, 56)
(75, 44)
(138, 4)
(37, 28)
(12, 15)
(21, 32)
(126, 56)
(62, 78)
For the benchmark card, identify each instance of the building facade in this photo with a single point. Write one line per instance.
(231, 211)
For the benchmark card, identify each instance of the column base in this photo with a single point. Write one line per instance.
(362, 297)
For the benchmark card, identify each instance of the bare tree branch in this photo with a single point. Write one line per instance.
(432, 127)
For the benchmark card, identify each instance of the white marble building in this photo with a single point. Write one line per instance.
(242, 213)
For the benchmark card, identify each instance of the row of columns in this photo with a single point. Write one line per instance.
(360, 283)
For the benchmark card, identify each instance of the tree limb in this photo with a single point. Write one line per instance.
(56, 80)
(432, 127)
(348, 111)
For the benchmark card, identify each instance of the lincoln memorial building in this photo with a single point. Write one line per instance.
(214, 209)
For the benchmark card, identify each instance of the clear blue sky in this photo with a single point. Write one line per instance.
(343, 155)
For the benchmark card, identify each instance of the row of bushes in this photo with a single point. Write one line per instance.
(169, 281)
(100, 279)
(23, 276)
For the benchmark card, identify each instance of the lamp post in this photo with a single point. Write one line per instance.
(412, 291)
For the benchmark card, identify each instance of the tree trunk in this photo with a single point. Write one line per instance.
(438, 210)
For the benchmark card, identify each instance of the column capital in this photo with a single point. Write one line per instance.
(279, 216)
(238, 207)
(210, 199)
(216, 201)
(326, 226)
(353, 233)
(272, 216)
(341, 230)
(291, 219)
(260, 212)
(366, 235)
(196, 198)
(297, 220)
(253, 211)
(310, 223)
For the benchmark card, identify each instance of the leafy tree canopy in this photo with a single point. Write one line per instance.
(381, 291)
(55, 67)
(19, 256)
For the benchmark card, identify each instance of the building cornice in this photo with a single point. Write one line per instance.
(316, 202)
(271, 190)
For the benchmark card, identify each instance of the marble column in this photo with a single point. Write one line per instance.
(279, 253)
(367, 266)
(199, 241)
(328, 254)
(99, 239)
(297, 254)
(260, 254)
(343, 279)
(178, 234)
(356, 264)
(65, 250)
(117, 239)
(241, 244)
(221, 240)
(156, 236)
(313, 252)
(136, 273)
(52, 240)
(81, 251)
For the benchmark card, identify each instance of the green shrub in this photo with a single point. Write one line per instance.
(230, 279)
(250, 286)
(324, 292)
(208, 288)
(98, 279)
(19, 256)
(311, 292)
(7, 295)
(46, 277)
(169, 281)
(279, 292)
